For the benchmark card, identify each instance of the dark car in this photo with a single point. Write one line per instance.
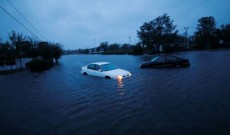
(165, 61)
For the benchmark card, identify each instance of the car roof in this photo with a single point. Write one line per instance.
(164, 55)
(100, 63)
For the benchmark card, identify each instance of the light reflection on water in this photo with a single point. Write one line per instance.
(120, 83)
(189, 101)
(120, 90)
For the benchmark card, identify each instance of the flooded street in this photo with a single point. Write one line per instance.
(191, 101)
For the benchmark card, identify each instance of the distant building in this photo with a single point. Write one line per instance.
(102, 50)
(96, 50)
(92, 51)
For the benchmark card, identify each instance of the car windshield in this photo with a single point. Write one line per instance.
(108, 67)
(155, 58)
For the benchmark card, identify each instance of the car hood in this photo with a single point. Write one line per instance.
(117, 72)
(147, 63)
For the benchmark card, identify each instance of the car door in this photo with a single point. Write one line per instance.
(97, 70)
(160, 62)
(90, 69)
(171, 61)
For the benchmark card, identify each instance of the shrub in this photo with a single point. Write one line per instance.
(137, 50)
(39, 65)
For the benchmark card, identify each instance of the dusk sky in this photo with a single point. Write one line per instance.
(85, 23)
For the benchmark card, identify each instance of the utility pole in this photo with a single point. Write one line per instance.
(129, 40)
(186, 38)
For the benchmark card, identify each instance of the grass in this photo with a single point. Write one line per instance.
(7, 72)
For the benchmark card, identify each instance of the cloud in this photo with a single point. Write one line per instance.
(86, 23)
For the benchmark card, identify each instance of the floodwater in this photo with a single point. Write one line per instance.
(169, 101)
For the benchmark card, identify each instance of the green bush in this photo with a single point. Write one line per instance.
(137, 50)
(39, 65)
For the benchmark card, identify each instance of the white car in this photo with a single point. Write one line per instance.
(105, 69)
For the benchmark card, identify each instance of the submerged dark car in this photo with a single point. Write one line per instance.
(165, 61)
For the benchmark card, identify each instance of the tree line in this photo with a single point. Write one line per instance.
(19, 46)
(160, 34)
(114, 48)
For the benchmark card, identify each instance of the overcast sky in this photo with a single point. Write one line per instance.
(85, 23)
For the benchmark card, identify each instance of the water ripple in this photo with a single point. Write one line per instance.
(192, 100)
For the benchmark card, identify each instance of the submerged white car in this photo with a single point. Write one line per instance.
(105, 69)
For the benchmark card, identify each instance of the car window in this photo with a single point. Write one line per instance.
(155, 58)
(91, 66)
(108, 67)
(161, 59)
(97, 67)
(171, 59)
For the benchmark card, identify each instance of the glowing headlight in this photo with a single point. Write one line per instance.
(129, 74)
(119, 77)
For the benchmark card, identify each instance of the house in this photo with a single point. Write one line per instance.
(102, 50)
(96, 50)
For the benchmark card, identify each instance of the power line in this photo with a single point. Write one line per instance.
(25, 19)
(19, 22)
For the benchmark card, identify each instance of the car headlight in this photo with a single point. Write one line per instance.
(119, 77)
(129, 74)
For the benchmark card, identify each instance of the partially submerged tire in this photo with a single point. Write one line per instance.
(107, 77)
(178, 65)
(85, 73)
